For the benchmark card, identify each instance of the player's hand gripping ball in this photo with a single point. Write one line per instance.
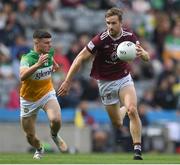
(126, 51)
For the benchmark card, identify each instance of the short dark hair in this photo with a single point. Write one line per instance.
(114, 11)
(40, 33)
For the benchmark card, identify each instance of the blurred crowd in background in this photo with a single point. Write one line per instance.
(72, 24)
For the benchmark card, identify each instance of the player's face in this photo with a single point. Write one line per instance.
(44, 45)
(114, 25)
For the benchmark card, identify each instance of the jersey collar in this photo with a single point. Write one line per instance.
(117, 38)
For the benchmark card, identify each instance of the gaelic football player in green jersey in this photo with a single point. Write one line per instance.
(37, 91)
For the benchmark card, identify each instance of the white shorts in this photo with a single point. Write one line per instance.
(109, 90)
(30, 108)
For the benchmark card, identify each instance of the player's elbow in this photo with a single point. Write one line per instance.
(22, 77)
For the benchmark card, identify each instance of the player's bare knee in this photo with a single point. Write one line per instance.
(55, 121)
(132, 111)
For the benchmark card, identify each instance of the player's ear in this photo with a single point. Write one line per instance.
(36, 41)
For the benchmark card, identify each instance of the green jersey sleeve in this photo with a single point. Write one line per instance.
(24, 61)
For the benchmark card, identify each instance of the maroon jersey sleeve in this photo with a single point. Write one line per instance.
(94, 44)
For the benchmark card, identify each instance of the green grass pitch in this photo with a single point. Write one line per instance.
(95, 158)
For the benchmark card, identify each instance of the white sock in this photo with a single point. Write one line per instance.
(137, 147)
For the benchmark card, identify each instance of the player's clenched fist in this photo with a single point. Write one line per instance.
(43, 58)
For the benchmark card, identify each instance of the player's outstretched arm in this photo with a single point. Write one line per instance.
(143, 54)
(26, 72)
(81, 58)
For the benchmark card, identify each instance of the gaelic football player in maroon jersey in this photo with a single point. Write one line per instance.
(115, 84)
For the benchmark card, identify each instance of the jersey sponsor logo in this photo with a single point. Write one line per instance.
(43, 73)
(111, 62)
(91, 45)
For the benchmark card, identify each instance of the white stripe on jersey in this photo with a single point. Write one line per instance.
(104, 35)
(125, 33)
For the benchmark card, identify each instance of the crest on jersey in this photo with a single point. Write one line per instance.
(114, 56)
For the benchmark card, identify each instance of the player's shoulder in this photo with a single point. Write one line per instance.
(103, 35)
(128, 35)
(127, 32)
(26, 59)
(28, 56)
(98, 39)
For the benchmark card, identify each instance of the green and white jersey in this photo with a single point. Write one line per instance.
(39, 83)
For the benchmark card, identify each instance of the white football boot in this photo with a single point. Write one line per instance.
(60, 143)
(39, 153)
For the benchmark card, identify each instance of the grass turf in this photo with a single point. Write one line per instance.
(95, 158)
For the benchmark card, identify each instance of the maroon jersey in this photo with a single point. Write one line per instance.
(106, 65)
